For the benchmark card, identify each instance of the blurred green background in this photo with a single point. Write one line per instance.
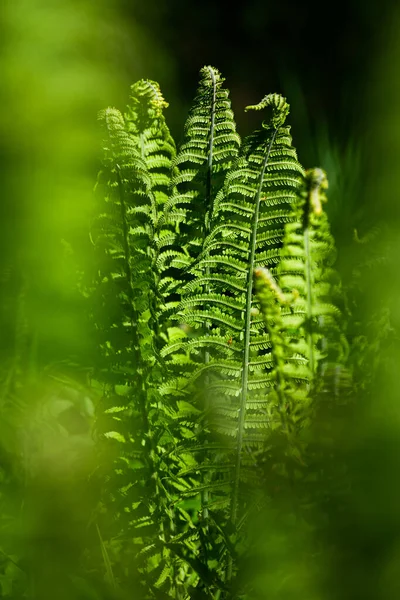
(60, 63)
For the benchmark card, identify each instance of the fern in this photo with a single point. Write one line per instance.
(228, 363)
(210, 146)
(127, 235)
(146, 125)
(307, 265)
(304, 324)
(207, 362)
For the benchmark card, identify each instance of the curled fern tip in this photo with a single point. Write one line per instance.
(280, 109)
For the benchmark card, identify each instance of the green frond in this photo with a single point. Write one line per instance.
(148, 130)
(210, 146)
(232, 347)
(215, 306)
(307, 259)
(280, 109)
(304, 324)
(127, 304)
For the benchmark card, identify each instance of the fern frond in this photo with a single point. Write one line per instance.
(147, 127)
(305, 326)
(127, 307)
(306, 264)
(216, 309)
(248, 216)
(210, 146)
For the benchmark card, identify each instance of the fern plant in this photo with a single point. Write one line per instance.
(126, 239)
(209, 148)
(215, 305)
(304, 323)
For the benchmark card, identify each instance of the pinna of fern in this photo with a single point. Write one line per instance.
(147, 128)
(289, 394)
(146, 125)
(122, 211)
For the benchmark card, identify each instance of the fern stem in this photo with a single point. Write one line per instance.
(127, 254)
(245, 367)
(141, 398)
(308, 274)
(205, 494)
(210, 152)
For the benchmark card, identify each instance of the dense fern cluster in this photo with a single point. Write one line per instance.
(215, 305)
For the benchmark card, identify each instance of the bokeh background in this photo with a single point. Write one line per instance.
(60, 63)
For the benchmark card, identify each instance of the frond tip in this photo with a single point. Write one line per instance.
(148, 91)
(317, 183)
(264, 281)
(280, 109)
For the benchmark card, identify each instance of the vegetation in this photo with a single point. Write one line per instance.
(225, 371)
(200, 367)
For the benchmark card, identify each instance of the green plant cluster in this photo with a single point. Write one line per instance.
(220, 329)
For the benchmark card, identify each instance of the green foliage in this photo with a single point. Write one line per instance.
(209, 148)
(221, 364)
(176, 459)
(127, 230)
(201, 368)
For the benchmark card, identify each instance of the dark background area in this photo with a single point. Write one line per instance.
(323, 50)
